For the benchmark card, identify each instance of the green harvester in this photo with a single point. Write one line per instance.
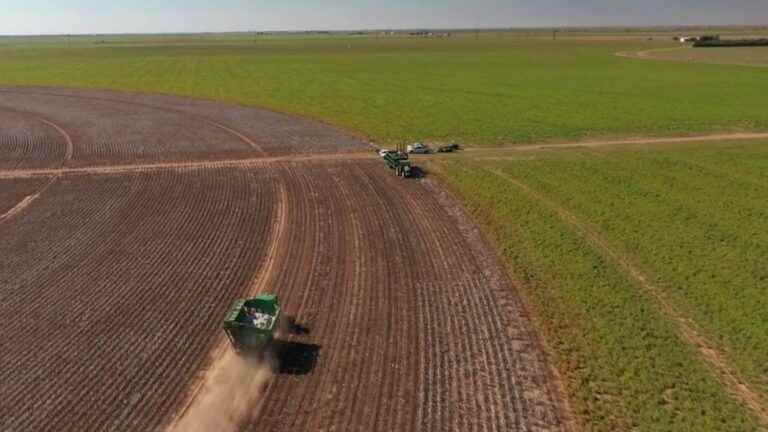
(399, 162)
(251, 324)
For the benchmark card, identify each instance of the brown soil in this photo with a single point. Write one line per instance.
(115, 280)
(26, 201)
(27, 141)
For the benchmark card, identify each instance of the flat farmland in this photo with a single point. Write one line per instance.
(630, 290)
(115, 280)
(107, 128)
(28, 141)
(110, 284)
(14, 192)
(500, 89)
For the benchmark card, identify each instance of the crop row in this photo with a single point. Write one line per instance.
(109, 128)
(112, 291)
(695, 218)
(624, 364)
(408, 340)
(123, 279)
(26, 142)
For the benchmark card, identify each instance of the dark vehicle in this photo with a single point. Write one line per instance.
(250, 324)
(399, 162)
(450, 148)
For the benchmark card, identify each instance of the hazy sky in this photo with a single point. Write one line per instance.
(136, 16)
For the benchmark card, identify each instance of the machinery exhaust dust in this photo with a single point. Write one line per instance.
(232, 388)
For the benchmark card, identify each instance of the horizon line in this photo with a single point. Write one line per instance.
(410, 29)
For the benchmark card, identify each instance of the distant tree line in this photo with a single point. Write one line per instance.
(715, 41)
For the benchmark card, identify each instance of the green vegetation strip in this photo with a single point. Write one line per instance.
(483, 92)
(687, 215)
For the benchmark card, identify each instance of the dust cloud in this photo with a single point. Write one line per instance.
(233, 387)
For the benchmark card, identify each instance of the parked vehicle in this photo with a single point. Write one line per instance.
(418, 148)
(449, 148)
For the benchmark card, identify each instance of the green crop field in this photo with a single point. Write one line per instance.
(498, 89)
(570, 223)
(692, 218)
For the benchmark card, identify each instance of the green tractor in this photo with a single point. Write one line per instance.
(251, 324)
(398, 161)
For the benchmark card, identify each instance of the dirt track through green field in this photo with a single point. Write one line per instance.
(689, 332)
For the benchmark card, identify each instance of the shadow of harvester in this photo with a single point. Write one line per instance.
(295, 358)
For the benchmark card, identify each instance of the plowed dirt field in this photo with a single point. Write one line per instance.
(113, 283)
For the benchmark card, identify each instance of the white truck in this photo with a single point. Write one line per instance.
(417, 148)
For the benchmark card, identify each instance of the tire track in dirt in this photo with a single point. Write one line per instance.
(238, 134)
(648, 55)
(26, 202)
(303, 289)
(22, 144)
(726, 374)
(182, 166)
(220, 357)
(70, 149)
(743, 136)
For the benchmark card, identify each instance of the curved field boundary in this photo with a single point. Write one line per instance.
(32, 141)
(242, 137)
(648, 55)
(28, 200)
(494, 270)
(267, 132)
(67, 139)
(216, 124)
(716, 360)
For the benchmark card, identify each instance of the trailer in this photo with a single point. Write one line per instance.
(251, 324)
(449, 148)
(399, 162)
